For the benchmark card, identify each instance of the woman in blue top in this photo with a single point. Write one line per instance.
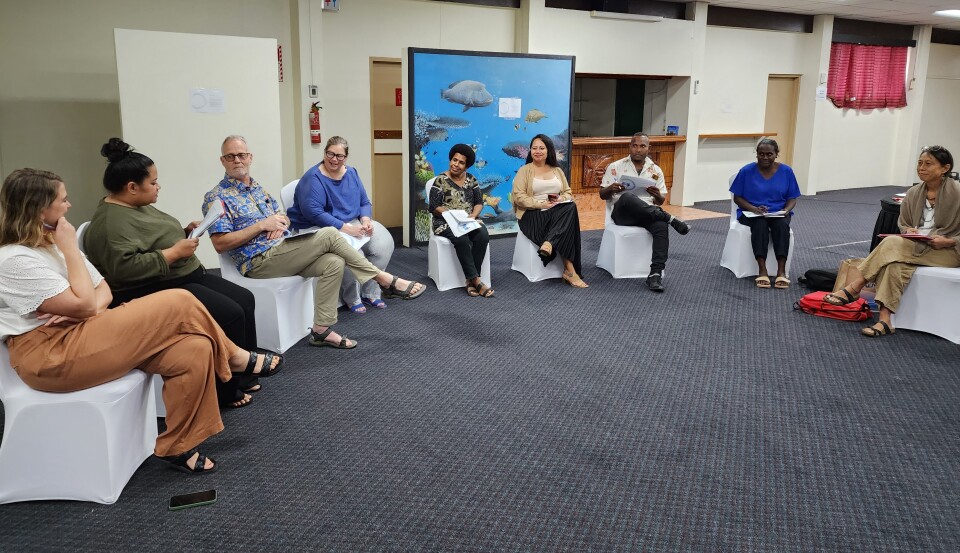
(761, 190)
(331, 195)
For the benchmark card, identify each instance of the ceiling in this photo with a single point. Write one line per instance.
(905, 12)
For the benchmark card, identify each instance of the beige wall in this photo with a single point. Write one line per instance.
(58, 68)
(58, 92)
(940, 121)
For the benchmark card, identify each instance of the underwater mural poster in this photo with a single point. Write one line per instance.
(494, 102)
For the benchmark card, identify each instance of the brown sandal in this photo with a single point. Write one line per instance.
(485, 291)
(472, 290)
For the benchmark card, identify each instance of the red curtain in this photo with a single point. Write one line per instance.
(867, 77)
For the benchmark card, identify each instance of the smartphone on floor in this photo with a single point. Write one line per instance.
(196, 499)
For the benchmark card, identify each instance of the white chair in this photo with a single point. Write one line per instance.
(287, 193)
(284, 306)
(443, 267)
(80, 230)
(625, 251)
(738, 252)
(930, 303)
(81, 446)
(526, 261)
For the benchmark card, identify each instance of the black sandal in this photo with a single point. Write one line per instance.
(485, 291)
(407, 294)
(265, 370)
(179, 462)
(319, 339)
(834, 298)
(872, 332)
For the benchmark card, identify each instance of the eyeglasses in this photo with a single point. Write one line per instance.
(338, 157)
(241, 156)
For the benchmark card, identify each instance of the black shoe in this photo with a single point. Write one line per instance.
(679, 226)
(655, 282)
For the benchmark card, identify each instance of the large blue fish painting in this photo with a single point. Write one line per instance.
(470, 94)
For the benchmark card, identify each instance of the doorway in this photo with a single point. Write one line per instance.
(781, 112)
(386, 118)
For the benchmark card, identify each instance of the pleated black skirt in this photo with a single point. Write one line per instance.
(559, 225)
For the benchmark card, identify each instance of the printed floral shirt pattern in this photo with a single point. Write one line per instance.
(445, 193)
(243, 206)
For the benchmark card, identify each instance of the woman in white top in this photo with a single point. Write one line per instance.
(931, 209)
(545, 210)
(62, 338)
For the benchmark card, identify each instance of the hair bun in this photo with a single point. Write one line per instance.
(115, 150)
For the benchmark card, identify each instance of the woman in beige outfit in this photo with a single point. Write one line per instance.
(62, 337)
(931, 211)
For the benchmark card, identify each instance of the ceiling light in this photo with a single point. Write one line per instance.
(626, 16)
(948, 13)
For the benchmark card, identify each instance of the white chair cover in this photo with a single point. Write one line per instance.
(930, 303)
(81, 446)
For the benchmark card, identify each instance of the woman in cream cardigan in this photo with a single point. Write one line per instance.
(545, 210)
(931, 208)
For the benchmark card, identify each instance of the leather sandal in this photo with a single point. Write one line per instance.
(485, 291)
(265, 370)
(873, 331)
(762, 282)
(319, 339)
(407, 294)
(179, 462)
(834, 298)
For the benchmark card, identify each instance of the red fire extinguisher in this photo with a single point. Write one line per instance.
(315, 123)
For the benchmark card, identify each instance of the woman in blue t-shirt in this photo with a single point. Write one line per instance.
(331, 195)
(765, 193)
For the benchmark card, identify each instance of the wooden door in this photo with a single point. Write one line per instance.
(781, 113)
(387, 189)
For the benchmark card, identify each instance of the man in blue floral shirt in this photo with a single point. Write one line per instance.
(254, 230)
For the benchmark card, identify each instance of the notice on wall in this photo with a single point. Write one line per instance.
(207, 100)
(509, 108)
(821, 93)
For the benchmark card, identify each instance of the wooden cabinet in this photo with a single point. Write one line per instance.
(591, 156)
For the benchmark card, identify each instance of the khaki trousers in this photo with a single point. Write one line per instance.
(169, 333)
(322, 254)
(892, 264)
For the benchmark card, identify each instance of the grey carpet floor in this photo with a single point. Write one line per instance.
(710, 418)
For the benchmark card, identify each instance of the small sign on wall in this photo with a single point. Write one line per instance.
(207, 100)
(331, 5)
(399, 97)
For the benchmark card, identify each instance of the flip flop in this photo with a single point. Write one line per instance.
(762, 282)
(359, 308)
(782, 283)
(378, 303)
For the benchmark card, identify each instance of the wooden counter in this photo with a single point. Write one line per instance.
(591, 156)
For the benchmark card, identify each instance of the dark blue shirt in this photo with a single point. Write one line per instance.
(324, 202)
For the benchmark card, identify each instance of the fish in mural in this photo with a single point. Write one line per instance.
(480, 164)
(438, 134)
(449, 122)
(534, 115)
(469, 94)
(516, 149)
(516, 127)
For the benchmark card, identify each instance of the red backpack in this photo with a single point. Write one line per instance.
(814, 304)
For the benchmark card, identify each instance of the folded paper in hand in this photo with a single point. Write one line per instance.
(215, 212)
(632, 184)
(459, 222)
(750, 214)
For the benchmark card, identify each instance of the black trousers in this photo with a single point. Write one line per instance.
(232, 306)
(631, 211)
(559, 225)
(471, 249)
(763, 229)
